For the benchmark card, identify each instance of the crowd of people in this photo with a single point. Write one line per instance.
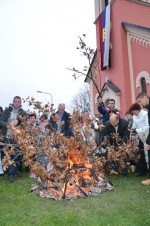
(135, 123)
(10, 118)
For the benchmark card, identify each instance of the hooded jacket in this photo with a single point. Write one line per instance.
(6, 115)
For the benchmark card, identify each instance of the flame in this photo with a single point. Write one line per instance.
(71, 190)
(77, 156)
(88, 165)
(70, 164)
(63, 189)
(76, 176)
(86, 175)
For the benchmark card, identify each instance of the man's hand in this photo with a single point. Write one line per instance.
(9, 126)
(100, 100)
(101, 127)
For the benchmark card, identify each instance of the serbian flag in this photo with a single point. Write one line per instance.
(104, 21)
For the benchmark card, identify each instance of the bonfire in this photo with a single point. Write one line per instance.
(66, 167)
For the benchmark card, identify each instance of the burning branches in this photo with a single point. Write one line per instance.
(76, 179)
(67, 167)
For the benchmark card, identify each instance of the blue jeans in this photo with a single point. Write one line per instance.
(13, 169)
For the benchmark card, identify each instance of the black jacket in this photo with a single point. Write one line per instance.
(122, 131)
(65, 128)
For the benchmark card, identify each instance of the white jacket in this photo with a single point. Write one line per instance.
(141, 125)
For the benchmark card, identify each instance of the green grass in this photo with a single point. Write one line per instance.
(128, 204)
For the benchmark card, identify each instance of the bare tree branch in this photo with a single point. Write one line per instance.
(82, 100)
(89, 54)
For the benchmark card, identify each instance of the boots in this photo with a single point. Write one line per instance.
(146, 182)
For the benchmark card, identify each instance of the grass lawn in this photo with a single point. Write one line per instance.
(128, 204)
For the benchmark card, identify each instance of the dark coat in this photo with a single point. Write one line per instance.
(66, 128)
(122, 131)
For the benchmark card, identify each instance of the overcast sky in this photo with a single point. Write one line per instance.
(38, 40)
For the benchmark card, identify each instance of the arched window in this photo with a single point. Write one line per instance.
(142, 80)
(143, 85)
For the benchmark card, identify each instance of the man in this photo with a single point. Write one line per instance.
(144, 101)
(117, 133)
(10, 118)
(64, 120)
(119, 126)
(107, 111)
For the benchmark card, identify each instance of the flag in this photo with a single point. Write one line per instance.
(104, 21)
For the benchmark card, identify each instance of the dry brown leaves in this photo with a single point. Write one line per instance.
(121, 153)
(60, 151)
(7, 161)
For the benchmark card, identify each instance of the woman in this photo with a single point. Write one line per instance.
(141, 126)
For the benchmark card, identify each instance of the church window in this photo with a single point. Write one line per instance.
(143, 85)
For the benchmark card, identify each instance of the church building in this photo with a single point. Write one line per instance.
(128, 72)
